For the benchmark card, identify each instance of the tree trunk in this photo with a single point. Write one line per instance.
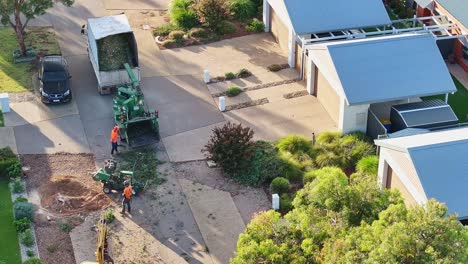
(18, 27)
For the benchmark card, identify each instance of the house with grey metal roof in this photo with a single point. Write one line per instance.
(288, 19)
(350, 77)
(427, 166)
(457, 12)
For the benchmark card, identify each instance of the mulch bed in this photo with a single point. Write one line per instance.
(240, 32)
(251, 103)
(67, 193)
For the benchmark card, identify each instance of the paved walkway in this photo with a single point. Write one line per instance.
(217, 217)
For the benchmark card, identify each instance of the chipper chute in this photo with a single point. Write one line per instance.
(138, 125)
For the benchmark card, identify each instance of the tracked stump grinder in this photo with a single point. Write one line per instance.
(113, 179)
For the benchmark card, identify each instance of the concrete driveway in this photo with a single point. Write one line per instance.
(183, 103)
(137, 4)
(253, 52)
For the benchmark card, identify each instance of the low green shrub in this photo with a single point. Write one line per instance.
(7, 159)
(368, 165)
(328, 137)
(279, 185)
(264, 165)
(17, 185)
(33, 261)
(6, 153)
(30, 253)
(243, 73)
(292, 169)
(295, 144)
(199, 33)
(312, 175)
(226, 28)
(354, 149)
(52, 248)
(169, 44)
(242, 9)
(309, 176)
(15, 170)
(21, 199)
(275, 68)
(329, 158)
(182, 14)
(177, 36)
(255, 26)
(220, 78)
(230, 76)
(24, 210)
(110, 217)
(164, 30)
(65, 227)
(285, 203)
(22, 224)
(233, 91)
(334, 149)
(27, 238)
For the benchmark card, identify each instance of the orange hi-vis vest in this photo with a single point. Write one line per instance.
(128, 192)
(114, 136)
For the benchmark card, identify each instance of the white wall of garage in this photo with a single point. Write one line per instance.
(353, 117)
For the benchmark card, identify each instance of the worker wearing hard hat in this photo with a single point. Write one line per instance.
(127, 196)
(114, 138)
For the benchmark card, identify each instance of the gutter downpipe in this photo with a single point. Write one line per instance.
(302, 59)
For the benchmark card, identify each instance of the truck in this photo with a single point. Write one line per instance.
(111, 45)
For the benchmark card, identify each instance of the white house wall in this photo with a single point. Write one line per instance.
(404, 168)
(353, 117)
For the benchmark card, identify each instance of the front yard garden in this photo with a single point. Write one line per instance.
(16, 77)
(332, 209)
(9, 246)
(204, 21)
(2, 121)
(284, 166)
(458, 101)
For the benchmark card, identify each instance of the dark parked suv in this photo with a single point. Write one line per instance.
(54, 79)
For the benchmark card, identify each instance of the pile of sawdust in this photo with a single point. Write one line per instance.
(67, 195)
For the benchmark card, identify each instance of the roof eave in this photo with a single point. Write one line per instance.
(399, 98)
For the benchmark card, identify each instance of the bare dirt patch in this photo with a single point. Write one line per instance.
(61, 187)
(66, 195)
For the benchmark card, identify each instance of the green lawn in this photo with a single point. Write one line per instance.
(16, 77)
(458, 101)
(9, 247)
(2, 123)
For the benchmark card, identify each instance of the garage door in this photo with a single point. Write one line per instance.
(299, 61)
(279, 30)
(328, 97)
(394, 182)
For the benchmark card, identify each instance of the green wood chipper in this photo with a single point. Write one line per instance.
(138, 125)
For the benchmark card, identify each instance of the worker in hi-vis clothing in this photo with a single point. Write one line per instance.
(114, 138)
(127, 196)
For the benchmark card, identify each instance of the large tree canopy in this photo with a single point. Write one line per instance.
(336, 220)
(11, 10)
